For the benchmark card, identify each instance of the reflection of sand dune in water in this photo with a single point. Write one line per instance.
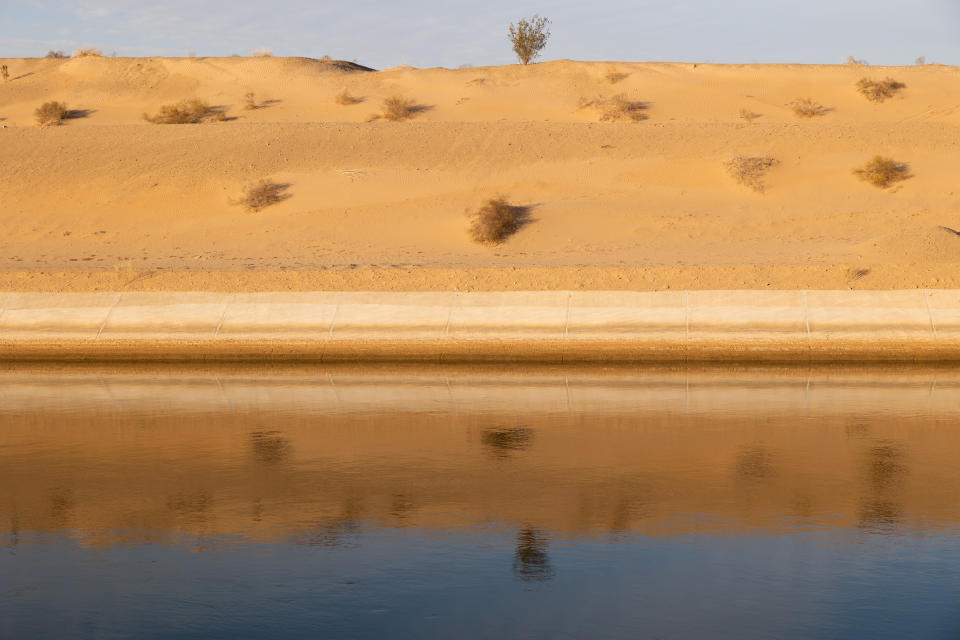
(321, 455)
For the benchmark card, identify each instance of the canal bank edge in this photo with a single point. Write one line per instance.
(513, 326)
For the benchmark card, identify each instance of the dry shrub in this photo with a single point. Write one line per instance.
(613, 76)
(4, 72)
(396, 108)
(750, 170)
(529, 37)
(185, 112)
(854, 61)
(882, 172)
(344, 98)
(261, 194)
(496, 221)
(56, 55)
(264, 52)
(617, 108)
(878, 91)
(250, 101)
(87, 53)
(749, 116)
(51, 113)
(807, 108)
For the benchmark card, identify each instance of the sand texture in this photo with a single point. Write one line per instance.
(110, 202)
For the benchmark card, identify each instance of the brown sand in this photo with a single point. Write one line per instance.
(108, 201)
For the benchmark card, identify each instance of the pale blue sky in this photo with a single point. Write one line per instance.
(425, 33)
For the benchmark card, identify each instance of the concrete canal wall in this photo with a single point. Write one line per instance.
(551, 326)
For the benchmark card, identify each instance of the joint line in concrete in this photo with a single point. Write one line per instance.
(107, 318)
(223, 315)
(933, 325)
(453, 298)
(333, 320)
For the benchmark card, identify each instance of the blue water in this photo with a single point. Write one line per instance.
(745, 566)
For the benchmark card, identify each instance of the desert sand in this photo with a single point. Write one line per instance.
(108, 201)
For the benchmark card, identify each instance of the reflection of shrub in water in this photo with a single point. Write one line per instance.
(192, 508)
(338, 531)
(880, 510)
(754, 463)
(880, 516)
(502, 441)
(886, 467)
(269, 446)
(530, 559)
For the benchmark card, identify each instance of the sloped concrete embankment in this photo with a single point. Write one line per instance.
(521, 326)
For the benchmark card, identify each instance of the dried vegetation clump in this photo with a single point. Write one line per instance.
(613, 76)
(882, 172)
(807, 108)
(190, 111)
(87, 53)
(496, 221)
(750, 170)
(250, 101)
(345, 99)
(529, 37)
(51, 114)
(261, 194)
(4, 72)
(617, 108)
(749, 116)
(56, 55)
(879, 90)
(397, 108)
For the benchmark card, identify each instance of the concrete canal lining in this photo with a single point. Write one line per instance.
(515, 326)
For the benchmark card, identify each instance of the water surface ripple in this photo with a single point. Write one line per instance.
(479, 502)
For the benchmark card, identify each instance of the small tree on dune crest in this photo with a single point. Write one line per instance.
(529, 37)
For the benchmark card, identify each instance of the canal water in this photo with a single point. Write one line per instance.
(479, 502)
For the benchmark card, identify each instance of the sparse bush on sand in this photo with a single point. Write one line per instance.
(617, 108)
(749, 116)
(345, 99)
(854, 61)
(4, 72)
(87, 53)
(529, 37)
(261, 194)
(750, 170)
(397, 108)
(265, 52)
(878, 90)
(496, 221)
(250, 101)
(807, 108)
(56, 55)
(882, 172)
(51, 114)
(613, 76)
(185, 112)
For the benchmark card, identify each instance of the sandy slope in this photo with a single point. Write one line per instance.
(109, 201)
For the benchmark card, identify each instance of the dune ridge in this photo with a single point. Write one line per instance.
(108, 201)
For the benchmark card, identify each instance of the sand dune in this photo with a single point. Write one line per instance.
(110, 201)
